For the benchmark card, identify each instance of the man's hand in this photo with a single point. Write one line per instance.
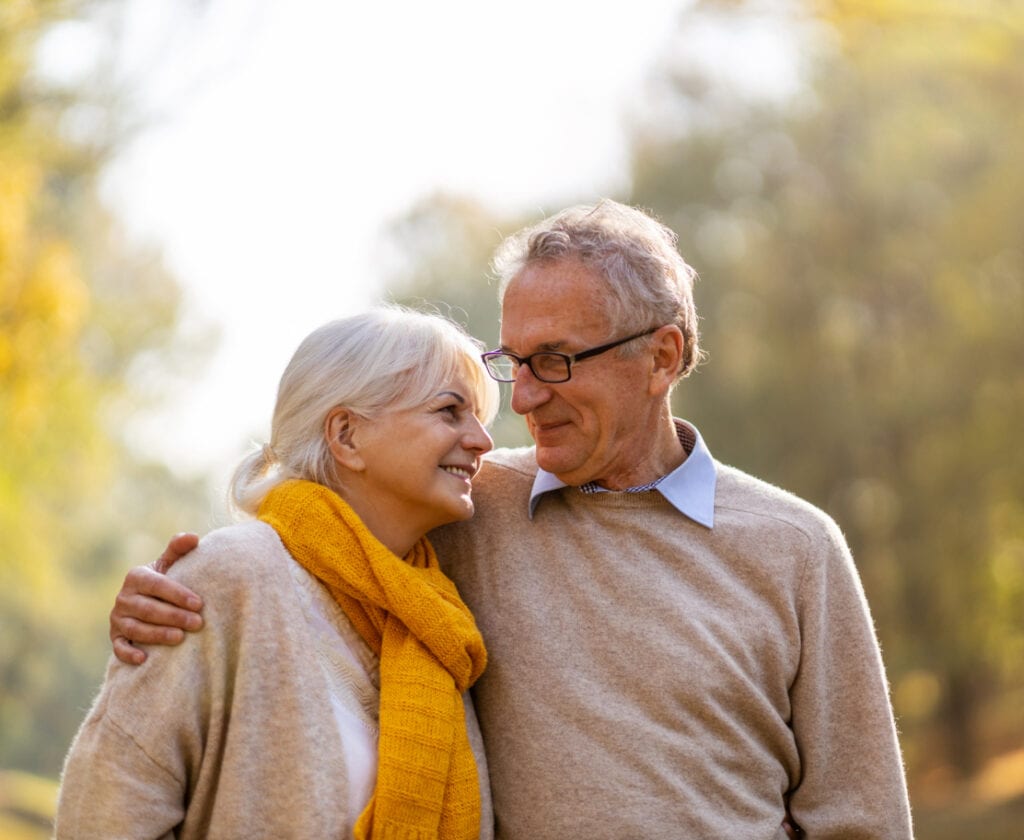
(151, 608)
(793, 831)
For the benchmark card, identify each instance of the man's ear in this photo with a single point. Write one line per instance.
(339, 432)
(667, 358)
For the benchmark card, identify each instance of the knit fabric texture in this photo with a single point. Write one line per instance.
(233, 732)
(653, 678)
(430, 650)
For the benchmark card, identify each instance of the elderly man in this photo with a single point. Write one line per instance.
(676, 648)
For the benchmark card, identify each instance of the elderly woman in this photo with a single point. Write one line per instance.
(327, 696)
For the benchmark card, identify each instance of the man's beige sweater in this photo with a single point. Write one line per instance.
(653, 678)
(232, 734)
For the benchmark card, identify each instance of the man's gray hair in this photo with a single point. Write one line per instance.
(649, 283)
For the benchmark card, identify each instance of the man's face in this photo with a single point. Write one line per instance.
(595, 427)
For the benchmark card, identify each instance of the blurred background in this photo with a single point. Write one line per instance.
(188, 188)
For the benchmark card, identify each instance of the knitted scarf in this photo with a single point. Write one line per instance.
(430, 650)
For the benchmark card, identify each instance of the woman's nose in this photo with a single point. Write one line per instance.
(477, 437)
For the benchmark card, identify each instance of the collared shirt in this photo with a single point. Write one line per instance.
(689, 488)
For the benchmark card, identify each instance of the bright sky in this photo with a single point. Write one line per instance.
(290, 133)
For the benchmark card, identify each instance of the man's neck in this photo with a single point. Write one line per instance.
(663, 454)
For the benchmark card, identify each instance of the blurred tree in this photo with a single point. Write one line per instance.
(85, 316)
(442, 250)
(858, 230)
(862, 240)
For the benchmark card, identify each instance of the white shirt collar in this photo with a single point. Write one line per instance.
(689, 488)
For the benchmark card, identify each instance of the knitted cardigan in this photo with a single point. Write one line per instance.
(653, 678)
(230, 734)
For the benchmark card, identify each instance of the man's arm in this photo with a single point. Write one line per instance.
(853, 784)
(151, 608)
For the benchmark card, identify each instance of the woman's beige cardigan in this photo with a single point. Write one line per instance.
(231, 734)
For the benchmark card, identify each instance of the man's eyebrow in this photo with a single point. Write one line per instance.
(546, 347)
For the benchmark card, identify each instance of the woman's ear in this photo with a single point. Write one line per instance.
(339, 432)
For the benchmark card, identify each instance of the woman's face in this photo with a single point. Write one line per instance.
(414, 467)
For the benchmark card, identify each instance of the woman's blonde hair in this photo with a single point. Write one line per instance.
(389, 358)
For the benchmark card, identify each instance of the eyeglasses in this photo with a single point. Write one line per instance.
(547, 366)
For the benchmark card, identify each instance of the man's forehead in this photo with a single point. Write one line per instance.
(547, 309)
(550, 331)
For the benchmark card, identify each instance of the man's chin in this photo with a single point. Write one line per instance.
(553, 460)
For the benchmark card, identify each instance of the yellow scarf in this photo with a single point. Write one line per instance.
(430, 652)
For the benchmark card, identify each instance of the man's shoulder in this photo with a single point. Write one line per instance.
(755, 499)
(521, 460)
(501, 497)
(504, 469)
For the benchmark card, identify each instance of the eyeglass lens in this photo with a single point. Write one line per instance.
(502, 368)
(548, 367)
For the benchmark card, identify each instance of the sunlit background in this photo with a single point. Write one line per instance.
(188, 188)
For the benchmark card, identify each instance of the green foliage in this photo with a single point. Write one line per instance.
(862, 295)
(27, 806)
(81, 310)
(863, 299)
(443, 247)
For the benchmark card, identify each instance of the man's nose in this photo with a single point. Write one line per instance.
(528, 392)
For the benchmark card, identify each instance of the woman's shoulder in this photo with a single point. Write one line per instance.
(246, 538)
(239, 553)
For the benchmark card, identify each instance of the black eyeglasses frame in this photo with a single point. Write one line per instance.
(569, 358)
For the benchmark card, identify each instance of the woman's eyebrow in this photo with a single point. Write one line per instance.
(454, 394)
